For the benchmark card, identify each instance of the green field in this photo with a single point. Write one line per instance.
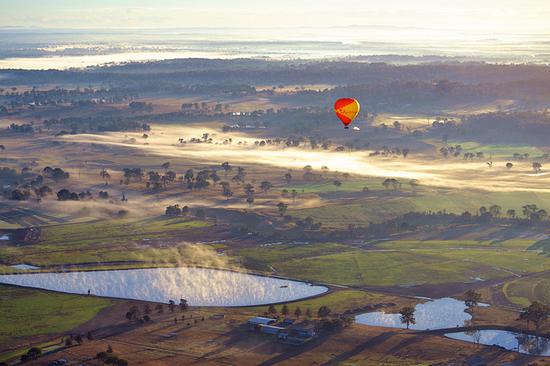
(526, 290)
(455, 244)
(379, 209)
(397, 264)
(27, 313)
(102, 241)
(105, 230)
(498, 151)
(262, 257)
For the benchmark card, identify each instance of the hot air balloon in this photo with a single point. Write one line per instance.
(346, 109)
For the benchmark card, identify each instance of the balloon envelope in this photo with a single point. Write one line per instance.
(346, 110)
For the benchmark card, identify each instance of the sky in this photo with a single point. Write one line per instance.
(486, 16)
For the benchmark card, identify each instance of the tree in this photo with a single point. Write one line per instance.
(272, 309)
(171, 305)
(495, 210)
(66, 195)
(105, 176)
(407, 316)
(183, 305)
(297, 312)
(34, 353)
(285, 310)
(266, 186)
(537, 167)
(308, 313)
(537, 313)
(226, 190)
(287, 177)
(509, 165)
(472, 298)
(226, 167)
(133, 313)
(323, 311)
(188, 177)
(147, 309)
(282, 207)
(511, 213)
(391, 182)
(250, 199)
(173, 210)
(79, 339)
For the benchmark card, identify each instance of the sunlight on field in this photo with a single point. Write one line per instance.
(429, 171)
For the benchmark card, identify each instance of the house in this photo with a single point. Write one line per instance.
(271, 329)
(257, 321)
(296, 335)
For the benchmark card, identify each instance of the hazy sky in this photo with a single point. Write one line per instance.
(509, 16)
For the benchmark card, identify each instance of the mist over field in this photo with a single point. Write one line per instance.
(64, 48)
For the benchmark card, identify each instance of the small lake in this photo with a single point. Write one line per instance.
(433, 314)
(512, 341)
(199, 286)
(24, 266)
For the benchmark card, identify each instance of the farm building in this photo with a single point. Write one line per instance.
(296, 334)
(271, 329)
(257, 321)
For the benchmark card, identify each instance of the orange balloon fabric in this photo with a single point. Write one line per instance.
(346, 110)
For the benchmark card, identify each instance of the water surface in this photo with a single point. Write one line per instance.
(199, 286)
(512, 341)
(434, 314)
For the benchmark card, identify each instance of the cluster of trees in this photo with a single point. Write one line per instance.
(285, 311)
(390, 151)
(66, 195)
(220, 76)
(57, 174)
(61, 96)
(96, 123)
(25, 185)
(21, 128)
(536, 313)
(32, 354)
(176, 210)
(327, 320)
(134, 314)
(513, 128)
(140, 106)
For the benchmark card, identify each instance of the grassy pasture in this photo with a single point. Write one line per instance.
(407, 263)
(27, 312)
(103, 241)
(379, 209)
(526, 290)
